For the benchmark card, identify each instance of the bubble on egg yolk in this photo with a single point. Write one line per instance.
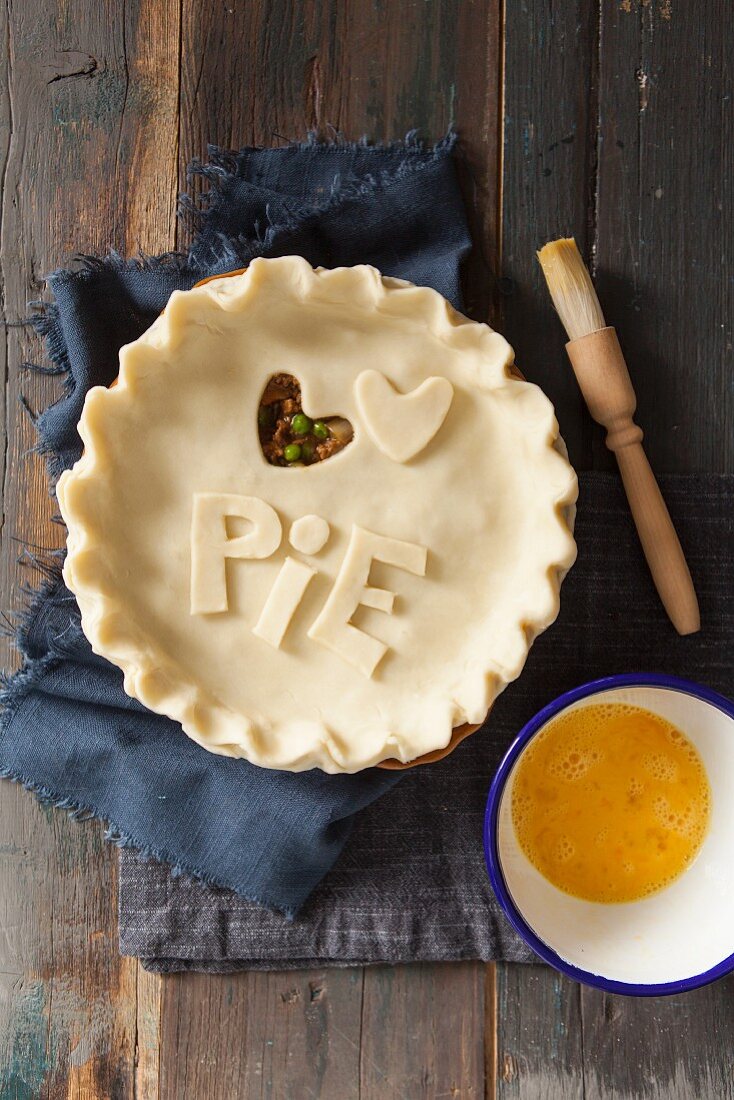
(610, 802)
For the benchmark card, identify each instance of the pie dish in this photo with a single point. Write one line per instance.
(303, 613)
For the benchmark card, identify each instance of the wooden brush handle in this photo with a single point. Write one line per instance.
(602, 374)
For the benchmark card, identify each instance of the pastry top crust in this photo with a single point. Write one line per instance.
(343, 613)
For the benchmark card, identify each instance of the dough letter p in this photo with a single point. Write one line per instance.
(211, 546)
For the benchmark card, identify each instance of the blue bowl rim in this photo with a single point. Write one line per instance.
(491, 851)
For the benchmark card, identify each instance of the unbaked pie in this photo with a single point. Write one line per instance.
(340, 580)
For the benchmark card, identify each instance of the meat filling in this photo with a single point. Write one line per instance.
(290, 438)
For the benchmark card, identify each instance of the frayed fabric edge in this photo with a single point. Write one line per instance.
(15, 690)
(223, 162)
(79, 811)
(45, 321)
(20, 630)
(223, 168)
(88, 265)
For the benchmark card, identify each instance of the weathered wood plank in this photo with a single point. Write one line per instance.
(672, 1047)
(147, 150)
(476, 112)
(67, 1021)
(559, 1040)
(288, 1036)
(548, 173)
(549, 180)
(149, 997)
(423, 1030)
(491, 1053)
(665, 220)
(540, 1053)
(90, 89)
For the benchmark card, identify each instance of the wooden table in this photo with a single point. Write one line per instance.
(609, 119)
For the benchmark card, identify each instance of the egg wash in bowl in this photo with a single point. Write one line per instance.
(611, 802)
(637, 902)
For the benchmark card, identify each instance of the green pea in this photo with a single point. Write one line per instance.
(320, 430)
(292, 452)
(301, 424)
(308, 450)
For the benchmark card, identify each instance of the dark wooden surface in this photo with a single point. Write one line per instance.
(611, 119)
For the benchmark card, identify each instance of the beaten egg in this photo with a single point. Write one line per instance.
(610, 802)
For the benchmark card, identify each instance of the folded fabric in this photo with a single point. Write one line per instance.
(411, 882)
(68, 731)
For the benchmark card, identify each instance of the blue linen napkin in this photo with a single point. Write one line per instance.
(69, 732)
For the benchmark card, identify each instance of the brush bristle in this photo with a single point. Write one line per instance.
(571, 288)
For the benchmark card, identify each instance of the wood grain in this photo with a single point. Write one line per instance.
(672, 1047)
(148, 997)
(265, 73)
(79, 117)
(561, 1041)
(423, 1032)
(288, 1036)
(550, 118)
(640, 89)
(664, 255)
(540, 1050)
(665, 221)
(617, 127)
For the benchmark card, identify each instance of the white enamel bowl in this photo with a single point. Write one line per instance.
(676, 940)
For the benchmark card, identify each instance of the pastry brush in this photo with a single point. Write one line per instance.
(602, 374)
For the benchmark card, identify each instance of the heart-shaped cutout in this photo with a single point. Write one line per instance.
(291, 438)
(402, 424)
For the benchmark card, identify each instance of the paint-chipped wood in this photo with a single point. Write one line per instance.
(673, 1047)
(67, 1015)
(540, 1051)
(89, 91)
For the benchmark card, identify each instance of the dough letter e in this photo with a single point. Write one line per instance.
(332, 628)
(211, 546)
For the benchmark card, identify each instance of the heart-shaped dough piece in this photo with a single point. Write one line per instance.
(402, 424)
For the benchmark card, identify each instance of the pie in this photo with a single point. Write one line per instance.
(317, 521)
